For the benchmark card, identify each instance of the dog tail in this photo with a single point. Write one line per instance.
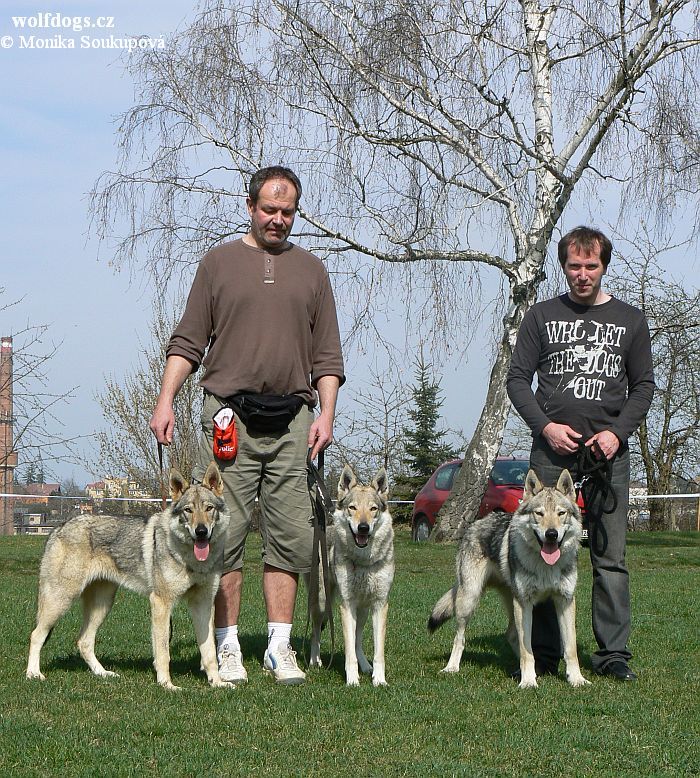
(443, 611)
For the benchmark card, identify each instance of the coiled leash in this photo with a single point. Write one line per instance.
(323, 506)
(595, 480)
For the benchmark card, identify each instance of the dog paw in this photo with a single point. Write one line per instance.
(222, 684)
(449, 669)
(528, 683)
(379, 682)
(170, 686)
(355, 681)
(107, 674)
(35, 675)
(578, 680)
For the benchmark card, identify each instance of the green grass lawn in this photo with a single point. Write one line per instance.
(474, 723)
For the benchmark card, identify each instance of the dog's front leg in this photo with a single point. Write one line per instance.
(379, 615)
(566, 615)
(349, 619)
(317, 615)
(361, 615)
(315, 654)
(522, 614)
(200, 601)
(160, 635)
(511, 631)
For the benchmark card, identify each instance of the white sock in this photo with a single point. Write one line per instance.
(278, 633)
(227, 637)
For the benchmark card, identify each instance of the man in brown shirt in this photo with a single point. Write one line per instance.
(261, 318)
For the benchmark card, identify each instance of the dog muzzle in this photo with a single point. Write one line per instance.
(201, 543)
(549, 547)
(361, 536)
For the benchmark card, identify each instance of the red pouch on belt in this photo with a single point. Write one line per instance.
(225, 437)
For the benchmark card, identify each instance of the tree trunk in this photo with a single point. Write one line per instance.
(462, 506)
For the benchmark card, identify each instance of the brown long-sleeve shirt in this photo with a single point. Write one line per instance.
(266, 321)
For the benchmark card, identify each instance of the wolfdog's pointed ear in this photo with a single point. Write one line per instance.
(213, 480)
(532, 485)
(565, 485)
(346, 482)
(381, 483)
(177, 484)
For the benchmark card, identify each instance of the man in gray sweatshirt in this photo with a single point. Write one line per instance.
(591, 354)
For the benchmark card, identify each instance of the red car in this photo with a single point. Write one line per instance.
(504, 492)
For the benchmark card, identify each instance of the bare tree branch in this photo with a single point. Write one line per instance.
(433, 140)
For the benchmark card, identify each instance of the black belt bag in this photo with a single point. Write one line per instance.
(266, 412)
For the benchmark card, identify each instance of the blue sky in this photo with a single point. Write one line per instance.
(57, 134)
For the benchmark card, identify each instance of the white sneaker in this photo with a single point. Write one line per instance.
(281, 663)
(231, 667)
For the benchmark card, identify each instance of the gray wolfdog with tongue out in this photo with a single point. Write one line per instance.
(528, 557)
(175, 553)
(361, 559)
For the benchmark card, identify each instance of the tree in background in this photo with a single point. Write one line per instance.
(69, 488)
(666, 447)
(424, 443)
(435, 140)
(369, 429)
(127, 446)
(38, 439)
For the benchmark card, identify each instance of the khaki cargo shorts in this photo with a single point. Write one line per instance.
(272, 467)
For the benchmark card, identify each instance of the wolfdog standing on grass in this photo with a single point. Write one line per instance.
(528, 556)
(361, 558)
(177, 552)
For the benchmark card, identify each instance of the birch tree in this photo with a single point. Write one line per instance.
(436, 140)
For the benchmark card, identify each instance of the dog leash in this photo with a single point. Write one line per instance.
(319, 551)
(595, 478)
(163, 493)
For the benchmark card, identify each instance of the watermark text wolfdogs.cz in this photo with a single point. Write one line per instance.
(59, 21)
(44, 30)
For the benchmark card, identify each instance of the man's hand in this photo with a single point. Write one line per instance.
(604, 445)
(561, 438)
(163, 423)
(320, 434)
(163, 420)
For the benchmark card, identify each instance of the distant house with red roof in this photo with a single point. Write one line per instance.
(38, 494)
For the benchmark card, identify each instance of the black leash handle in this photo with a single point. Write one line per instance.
(319, 553)
(595, 478)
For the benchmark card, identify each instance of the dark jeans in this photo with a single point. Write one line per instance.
(610, 603)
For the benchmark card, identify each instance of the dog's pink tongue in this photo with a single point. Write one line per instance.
(201, 550)
(550, 553)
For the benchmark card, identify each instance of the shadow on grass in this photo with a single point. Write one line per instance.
(483, 651)
(494, 651)
(181, 667)
(184, 657)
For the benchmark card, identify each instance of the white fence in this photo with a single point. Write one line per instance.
(684, 514)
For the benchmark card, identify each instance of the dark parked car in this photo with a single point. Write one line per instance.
(504, 492)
